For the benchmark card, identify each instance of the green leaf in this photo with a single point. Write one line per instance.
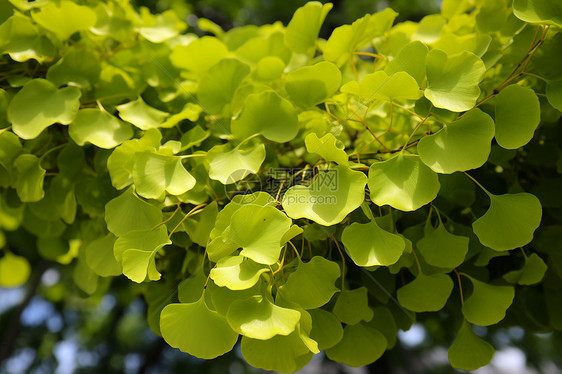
(426, 293)
(554, 94)
(121, 161)
(237, 272)
(487, 304)
(369, 245)
(453, 44)
(403, 182)
(197, 330)
(99, 128)
(155, 174)
(127, 212)
(284, 354)
(14, 270)
(411, 59)
(360, 346)
(136, 250)
(269, 68)
(200, 226)
(231, 165)
(381, 86)
(469, 351)
(65, 18)
(79, 67)
(302, 31)
(259, 318)
(141, 115)
(21, 40)
(352, 306)
(532, 272)
(384, 322)
(268, 114)
(461, 145)
(329, 199)
(194, 137)
(312, 284)
(510, 221)
(518, 113)
(39, 104)
(538, 11)
(453, 79)
(442, 249)
(199, 55)
(311, 85)
(217, 87)
(258, 231)
(326, 328)
(100, 257)
(29, 182)
(162, 27)
(328, 147)
(347, 39)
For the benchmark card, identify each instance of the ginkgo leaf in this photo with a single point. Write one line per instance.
(237, 272)
(199, 55)
(29, 182)
(284, 354)
(347, 39)
(380, 85)
(326, 328)
(518, 113)
(453, 80)
(231, 165)
(360, 346)
(65, 18)
(20, 38)
(329, 199)
(162, 27)
(194, 137)
(461, 145)
(302, 31)
(39, 104)
(258, 231)
(442, 249)
(100, 257)
(136, 250)
(469, 351)
(79, 67)
(352, 306)
(312, 284)
(488, 303)
(532, 272)
(426, 293)
(99, 128)
(311, 85)
(259, 318)
(369, 245)
(141, 114)
(554, 94)
(538, 11)
(197, 330)
(509, 222)
(453, 44)
(403, 182)
(328, 147)
(217, 87)
(268, 114)
(411, 59)
(127, 212)
(154, 174)
(14, 270)
(200, 226)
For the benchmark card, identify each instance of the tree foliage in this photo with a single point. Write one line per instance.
(266, 183)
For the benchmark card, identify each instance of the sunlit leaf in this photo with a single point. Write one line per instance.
(352, 306)
(328, 147)
(469, 351)
(538, 11)
(127, 212)
(197, 330)
(39, 104)
(199, 55)
(487, 304)
(79, 67)
(326, 328)
(14, 270)
(410, 59)
(453, 79)
(426, 293)
(380, 85)
(360, 345)
(100, 257)
(141, 115)
(403, 182)
(237, 272)
(461, 145)
(29, 182)
(229, 165)
(99, 128)
(442, 249)
(311, 85)
(509, 222)
(302, 30)
(65, 18)
(532, 272)
(518, 114)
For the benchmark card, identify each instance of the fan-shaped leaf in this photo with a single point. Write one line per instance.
(99, 128)
(127, 212)
(360, 345)
(237, 272)
(426, 293)
(352, 306)
(311, 85)
(380, 85)
(442, 249)
(487, 304)
(328, 147)
(468, 351)
(231, 165)
(302, 30)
